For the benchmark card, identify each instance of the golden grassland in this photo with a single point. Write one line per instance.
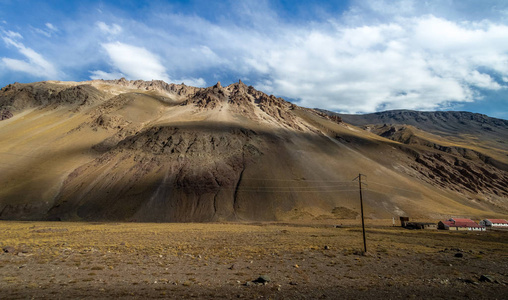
(220, 261)
(234, 239)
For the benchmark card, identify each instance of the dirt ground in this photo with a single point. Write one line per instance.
(221, 261)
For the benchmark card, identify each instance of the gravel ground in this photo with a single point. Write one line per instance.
(222, 261)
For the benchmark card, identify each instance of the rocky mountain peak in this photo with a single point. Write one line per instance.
(153, 85)
(16, 97)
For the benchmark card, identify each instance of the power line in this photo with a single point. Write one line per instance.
(33, 170)
(290, 191)
(301, 187)
(297, 180)
(248, 190)
(22, 155)
(394, 187)
(291, 188)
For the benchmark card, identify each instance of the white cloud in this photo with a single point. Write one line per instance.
(13, 35)
(48, 31)
(198, 82)
(415, 63)
(112, 29)
(98, 74)
(51, 27)
(35, 64)
(43, 32)
(135, 62)
(412, 62)
(481, 80)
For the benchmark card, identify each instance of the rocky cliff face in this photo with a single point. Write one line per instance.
(151, 151)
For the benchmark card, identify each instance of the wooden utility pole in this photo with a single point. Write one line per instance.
(361, 209)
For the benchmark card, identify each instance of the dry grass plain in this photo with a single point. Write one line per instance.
(210, 260)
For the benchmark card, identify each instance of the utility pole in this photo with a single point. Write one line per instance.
(361, 209)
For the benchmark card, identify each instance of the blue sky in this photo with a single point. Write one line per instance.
(345, 56)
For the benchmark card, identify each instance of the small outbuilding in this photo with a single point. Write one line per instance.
(403, 221)
(420, 225)
(460, 225)
(496, 223)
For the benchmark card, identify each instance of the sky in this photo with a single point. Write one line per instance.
(345, 56)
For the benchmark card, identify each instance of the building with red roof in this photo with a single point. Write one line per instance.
(460, 224)
(499, 223)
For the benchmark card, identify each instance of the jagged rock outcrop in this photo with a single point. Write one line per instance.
(208, 98)
(19, 96)
(154, 85)
(5, 114)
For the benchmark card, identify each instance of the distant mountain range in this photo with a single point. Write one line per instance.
(124, 150)
(448, 122)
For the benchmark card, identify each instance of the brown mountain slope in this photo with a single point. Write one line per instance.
(152, 151)
(454, 128)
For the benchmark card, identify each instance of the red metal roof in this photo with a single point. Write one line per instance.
(448, 223)
(498, 221)
(462, 220)
(466, 224)
(461, 223)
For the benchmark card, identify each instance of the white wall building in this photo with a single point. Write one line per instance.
(498, 223)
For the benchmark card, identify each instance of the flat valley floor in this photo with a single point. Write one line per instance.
(60, 260)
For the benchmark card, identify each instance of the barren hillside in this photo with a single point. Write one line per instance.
(151, 151)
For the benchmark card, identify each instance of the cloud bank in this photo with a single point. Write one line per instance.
(415, 63)
(34, 63)
(373, 55)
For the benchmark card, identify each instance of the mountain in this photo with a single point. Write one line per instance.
(124, 150)
(452, 131)
(444, 123)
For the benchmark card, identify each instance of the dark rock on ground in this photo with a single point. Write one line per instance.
(488, 278)
(8, 249)
(263, 279)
